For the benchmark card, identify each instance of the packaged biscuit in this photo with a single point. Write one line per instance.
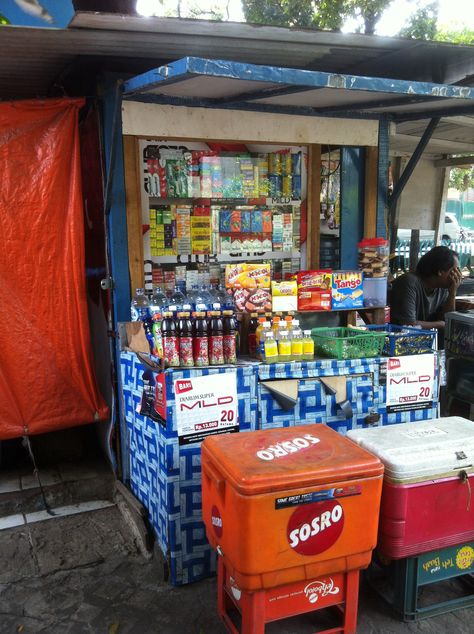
(284, 296)
(249, 276)
(373, 257)
(251, 301)
(347, 289)
(314, 290)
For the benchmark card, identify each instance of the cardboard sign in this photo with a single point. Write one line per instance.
(206, 405)
(410, 382)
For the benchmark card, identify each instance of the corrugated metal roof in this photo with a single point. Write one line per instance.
(34, 59)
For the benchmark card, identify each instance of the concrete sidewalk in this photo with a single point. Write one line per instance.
(83, 575)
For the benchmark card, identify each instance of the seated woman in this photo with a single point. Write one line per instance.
(424, 297)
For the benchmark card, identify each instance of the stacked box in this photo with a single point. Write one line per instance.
(169, 280)
(262, 168)
(287, 244)
(277, 233)
(162, 231)
(166, 476)
(216, 177)
(201, 230)
(247, 177)
(183, 230)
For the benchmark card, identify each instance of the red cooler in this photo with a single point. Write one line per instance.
(286, 505)
(427, 498)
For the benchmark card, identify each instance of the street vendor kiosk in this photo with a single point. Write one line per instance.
(231, 172)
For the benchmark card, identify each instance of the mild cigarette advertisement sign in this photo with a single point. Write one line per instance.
(206, 405)
(410, 382)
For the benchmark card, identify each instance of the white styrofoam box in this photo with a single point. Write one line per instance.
(423, 450)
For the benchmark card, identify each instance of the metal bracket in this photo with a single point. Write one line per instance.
(107, 284)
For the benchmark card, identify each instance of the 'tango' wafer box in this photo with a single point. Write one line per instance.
(347, 289)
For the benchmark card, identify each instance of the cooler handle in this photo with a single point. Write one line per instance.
(217, 478)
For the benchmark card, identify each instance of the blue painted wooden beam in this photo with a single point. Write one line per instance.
(412, 163)
(382, 178)
(196, 66)
(352, 204)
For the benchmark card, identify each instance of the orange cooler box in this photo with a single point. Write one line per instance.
(283, 505)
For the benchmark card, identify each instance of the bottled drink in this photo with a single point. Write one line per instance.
(203, 300)
(270, 348)
(276, 327)
(261, 342)
(185, 327)
(289, 323)
(251, 335)
(258, 335)
(139, 307)
(308, 346)
(296, 341)
(284, 346)
(230, 337)
(216, 339)
(158, 301)
(201, 340)
(176, 301)
(191, 297)
(224, 299)
(215, 302)
(170, 340)
(157, 338)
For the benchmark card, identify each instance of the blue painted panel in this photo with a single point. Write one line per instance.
(186, 66)
(352, 204)
(382, 178)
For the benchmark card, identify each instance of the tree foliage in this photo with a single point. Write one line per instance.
(321, 14)
(461, 178)
(422, 25)
(3, 20)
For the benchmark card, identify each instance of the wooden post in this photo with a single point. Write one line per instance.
(134, 211)
(313, 206)
(414, 248)
(370, 199)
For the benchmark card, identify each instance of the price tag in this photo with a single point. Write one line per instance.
(206, 405)
(410, 382)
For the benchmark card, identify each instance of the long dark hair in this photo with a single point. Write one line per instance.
(436, 260)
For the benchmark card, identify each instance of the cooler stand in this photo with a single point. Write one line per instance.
(340, 590)
(399, 583)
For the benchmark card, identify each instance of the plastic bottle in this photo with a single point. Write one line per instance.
(284, 346)
(270, 348)
(261, 344)
(176, 301)
(158, 301)
(308, 346)
(276, 327)
(296, 341)
(191, 297)
(203, 300)
(185, 340)
(139, 307)
(201, 340)
(216, 339)
(258, 335)
(224, 299)
(251, 335)
(157, 338)
(230, 337)
(289, 323)
(170, 340)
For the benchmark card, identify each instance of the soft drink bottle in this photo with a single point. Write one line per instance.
(308, 346)
(170, 340)
(216, 339)
(139, 307)
(176, 301)
(251, 334)
(201, 340)
(230, 337)
(270, 347)
(157, 338)
(185, 329)
(284, 346)
(296, 341)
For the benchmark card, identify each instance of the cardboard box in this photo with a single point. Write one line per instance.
(347, 289)
(314, 290)
(284, 296)
(249, 276)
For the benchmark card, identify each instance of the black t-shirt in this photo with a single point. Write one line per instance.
(410, 302)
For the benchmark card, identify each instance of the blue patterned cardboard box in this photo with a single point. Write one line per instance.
(166, 476)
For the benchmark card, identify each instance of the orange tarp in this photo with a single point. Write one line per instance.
(46, 374)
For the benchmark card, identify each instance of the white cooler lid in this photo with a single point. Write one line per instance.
(421, 451)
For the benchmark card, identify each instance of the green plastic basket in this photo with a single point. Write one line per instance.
(346, 343)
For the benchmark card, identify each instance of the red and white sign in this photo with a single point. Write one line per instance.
(410, 382)
(216, 521)
(313, 528)
(206, 405)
